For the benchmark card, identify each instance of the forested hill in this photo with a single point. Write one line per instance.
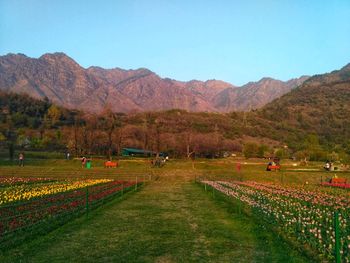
(320, 106)
(22, 111)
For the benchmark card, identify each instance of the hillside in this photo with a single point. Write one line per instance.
(62, 80)
(321, 106)
(254, 95)
(27, 123)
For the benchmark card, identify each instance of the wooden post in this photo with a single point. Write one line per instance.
(239, 206)
(87, 201)
(337, 237)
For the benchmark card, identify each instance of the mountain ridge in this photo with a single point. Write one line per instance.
(66, 83)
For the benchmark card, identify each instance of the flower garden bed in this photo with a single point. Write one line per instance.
(30, 208)
(26, 191)
(7, 181)
(306, 215)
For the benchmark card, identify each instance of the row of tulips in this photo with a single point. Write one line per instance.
(301, 193)
(23, 216)
(23, 192)
(305, 215)
(8, 181)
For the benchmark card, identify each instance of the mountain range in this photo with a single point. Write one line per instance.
(62, 80)
(313, 116)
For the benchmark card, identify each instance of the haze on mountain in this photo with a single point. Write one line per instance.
(62, 80)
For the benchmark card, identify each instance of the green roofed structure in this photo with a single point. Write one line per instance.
(139, 152)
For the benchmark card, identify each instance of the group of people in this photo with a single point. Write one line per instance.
(159, 161)
(275, 162)
(85, 162)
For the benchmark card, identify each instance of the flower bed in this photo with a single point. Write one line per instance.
(7, 181)
(304, 214)
(22, 192)
(64, 202)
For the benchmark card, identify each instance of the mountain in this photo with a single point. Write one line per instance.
(254, 94)
(321, 105)
(66, 83)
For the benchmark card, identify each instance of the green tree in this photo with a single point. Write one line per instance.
(263, 150)
(312, 142)
(53, 115)
(250, 150)
(282, 153)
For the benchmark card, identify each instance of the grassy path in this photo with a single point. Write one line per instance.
(169, 220)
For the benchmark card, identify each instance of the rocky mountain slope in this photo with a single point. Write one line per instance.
(254, 95)
(66, 83)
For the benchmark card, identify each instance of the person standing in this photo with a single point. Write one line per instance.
(327, 166)
(21, 159)
(238, 167)
(83, 162)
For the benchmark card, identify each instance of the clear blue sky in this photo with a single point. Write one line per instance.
(235, 41)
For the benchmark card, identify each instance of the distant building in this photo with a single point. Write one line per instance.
(140, 153)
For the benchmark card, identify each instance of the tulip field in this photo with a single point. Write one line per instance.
(55, 210)
(303, 214)
(34, 205)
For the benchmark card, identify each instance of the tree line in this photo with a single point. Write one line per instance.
(30, 124)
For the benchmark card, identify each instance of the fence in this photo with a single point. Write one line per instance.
(24, 219)
(322, 222)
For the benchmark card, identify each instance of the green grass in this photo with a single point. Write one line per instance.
(167, 222)
(171, 219)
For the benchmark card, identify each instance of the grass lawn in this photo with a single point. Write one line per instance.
(171, 219)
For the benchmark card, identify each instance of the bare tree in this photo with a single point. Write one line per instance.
(110, 122)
